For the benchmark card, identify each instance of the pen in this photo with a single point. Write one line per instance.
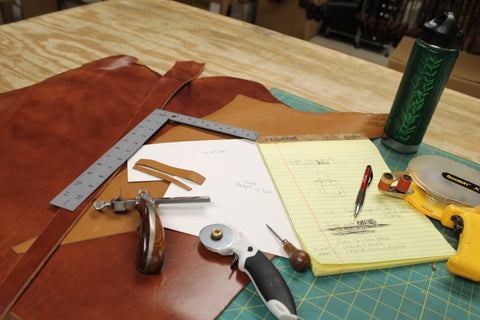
(367, 178)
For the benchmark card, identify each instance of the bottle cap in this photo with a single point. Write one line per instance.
(442, 32)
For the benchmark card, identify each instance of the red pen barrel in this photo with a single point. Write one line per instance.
(367, 178)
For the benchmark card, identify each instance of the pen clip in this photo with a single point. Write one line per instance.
(370, 176)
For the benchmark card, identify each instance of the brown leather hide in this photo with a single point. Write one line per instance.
(49, 134)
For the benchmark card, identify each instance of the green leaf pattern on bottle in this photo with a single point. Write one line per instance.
(420, 87)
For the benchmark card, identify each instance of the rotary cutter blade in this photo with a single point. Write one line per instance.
(216, 237)
(270, 285)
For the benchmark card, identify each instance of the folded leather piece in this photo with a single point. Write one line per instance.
(269, 119)
(97, 278)
(182, 173)
(162, 176)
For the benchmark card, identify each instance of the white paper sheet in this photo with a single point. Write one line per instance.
(242, 192)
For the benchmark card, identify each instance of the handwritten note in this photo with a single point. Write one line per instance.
(241, 190)
(318, 182)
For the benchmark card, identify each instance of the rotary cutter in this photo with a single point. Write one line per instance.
(449, 192)
(270, 285)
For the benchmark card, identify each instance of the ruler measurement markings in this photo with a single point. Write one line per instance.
(108, 163)
(84, 185)
(210, 125)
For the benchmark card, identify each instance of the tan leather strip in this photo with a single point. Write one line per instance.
(187, 174)
(161, 176)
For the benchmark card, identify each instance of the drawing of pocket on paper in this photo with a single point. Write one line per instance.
(329, 187)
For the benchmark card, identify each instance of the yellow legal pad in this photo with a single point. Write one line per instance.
(318, 182)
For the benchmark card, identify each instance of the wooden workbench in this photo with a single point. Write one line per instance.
(160, 32)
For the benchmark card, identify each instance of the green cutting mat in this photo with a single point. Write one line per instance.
(423, 291)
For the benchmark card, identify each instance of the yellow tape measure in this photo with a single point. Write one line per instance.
(449, 192)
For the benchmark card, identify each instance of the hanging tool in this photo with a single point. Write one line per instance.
(85, 184)
(119, 205)
(152, 237)
(299, 259)
(270, 285)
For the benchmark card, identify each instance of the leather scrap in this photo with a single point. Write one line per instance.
(271, 119)
(158, 166)
(162, 176)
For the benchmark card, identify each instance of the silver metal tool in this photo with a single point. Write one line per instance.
(299, 259)
(83, 186)
(152, 236)
(120, 205)
(210, 125)
(270, 285)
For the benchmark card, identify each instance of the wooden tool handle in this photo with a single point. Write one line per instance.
(299, 259)
(151, 247)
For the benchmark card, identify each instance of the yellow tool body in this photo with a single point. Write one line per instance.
(467, 260)
(447, 191)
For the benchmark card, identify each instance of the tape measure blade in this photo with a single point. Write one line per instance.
(84, 185)
(211, 125)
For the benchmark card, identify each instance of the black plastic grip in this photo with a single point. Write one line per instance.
(269, 281)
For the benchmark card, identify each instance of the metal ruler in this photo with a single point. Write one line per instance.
(83, 186)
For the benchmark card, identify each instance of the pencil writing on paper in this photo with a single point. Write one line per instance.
(364, 226)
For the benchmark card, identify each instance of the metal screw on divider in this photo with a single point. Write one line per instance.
(83, 186)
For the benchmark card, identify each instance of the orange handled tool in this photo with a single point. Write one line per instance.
(299, 259)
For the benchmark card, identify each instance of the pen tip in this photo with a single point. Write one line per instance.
(357, 210)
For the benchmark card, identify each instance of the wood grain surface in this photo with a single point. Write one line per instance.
(160, 32)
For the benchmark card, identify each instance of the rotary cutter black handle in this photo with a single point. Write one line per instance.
(271, 286)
